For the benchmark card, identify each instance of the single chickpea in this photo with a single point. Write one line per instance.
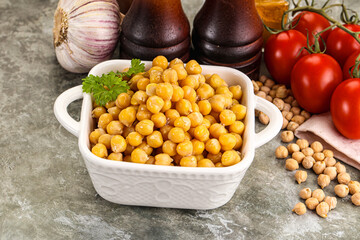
(287, 107)
(306, 114)
(263, 118)
(308, 162)
(287, 136)
(281, 152)
(299, 208)
(298, 156)
(343, 178)
(328, 153)
(289, 99)
(300, 176)
(282, 92)
(160, 61)
(95, 135)
(340, 168)
(305, 193)
(331, 172)
(285, 123)
(311, 203)
(322, 209)
(288, 115)
(230, 158)
(279, 103)
(255, 86)
(115, 156)
(100, 150)
(318, 156)
(295, 109)
(323, 180)
(355, 199)
(298, 119)
(163, 159)
(329, 161)
(205, 163)
(341, 190)
(139, 156)
(269, 83)
(317, 146)
(331, 201)
(213, 146)
(293, 147)
(261, 94)
(318, 194)
(303, 143)
(308, 151)
(292, 126)
(354, 187)
(189, 161)
(291, 164)
(319, 167)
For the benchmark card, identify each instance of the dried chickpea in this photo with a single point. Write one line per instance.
(98, 111)
(216, 130)
(201, 133)
(291, 164)
(305, 193)
(308, 162)
(104, 120)
(331, 201)
(287, 115)
(263, 118)
(287, 108)
(144, 127)
(115, 128)
(195, 118)
(127, 116)
(139, 156)
(329, 161)
(282, 92)
(319, 167)
(115, 156)
(308, 151)
(302, 143)
(155, 139)
(193, 67)
(217, 103)
(322, 209)
(190, 161)
(281, 152)
(183, 106)
(292, 126)
(295, 110)
(331, 172)
(343, 178)
(236, 91)
(265, 89)
(287, 136)
(204, 107)
(328, 153)
(323, 180)
(318, 194)
(134, 139)
(176, 135)
(100, 150)
(118, 143)
(319, 156)
(311, 203)
(293, 147)
(298, 119)
(299, 208)
(239, 110)
(355, 199)
(341, 190)
(317, 146)
(340, 168)
(183, 122)
(305, 114)
(298, 156)
(160, 61)
(94, 135)
(279, 103)
(163, 159)
(205, 163)
(198, 147)
(261, 94)
(300, 176)
(169, 76)
(230, 158)
(354, 187)
(285, 123)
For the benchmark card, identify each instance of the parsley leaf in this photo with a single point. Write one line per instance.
(107, 87)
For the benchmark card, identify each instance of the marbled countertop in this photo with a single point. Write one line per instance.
(46, 192)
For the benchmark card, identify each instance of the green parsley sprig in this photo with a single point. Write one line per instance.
(107, 87)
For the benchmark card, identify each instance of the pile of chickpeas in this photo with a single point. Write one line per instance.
(172, 115)
(322, 162)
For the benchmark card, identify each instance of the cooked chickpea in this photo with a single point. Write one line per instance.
(237, 127)
(183, 122)
(216, 130)
(163, 159)
(142, 83)
(341, 190)
(160, 61)
(169, 148)
(206, 123)
(169, 76)
(308, 151)
(171, 116)
(176, 135)
(138, 98)
(164, 91)
(239, 110)
(178, 94)
(190, 161)
(311, 203)
(322, 209)
(155, 139)
(201, 133)
(302, 143)
(305, 193)
(291, 164)
(331, 201)
(184, 107)
(115, 156)
(331, 172)
(330, 161)
(340, 168)
(227, 141)
(317, 146)
(134, 139)
(145, 127)
(299, 208)
(236, 91)
(185, 148)
(215, 81)
(193, 67)
(230, 158)
(205, 163)
(343, 178)
(115, 128)
(355, 199)
(319, 167)
(139, 156)
(98, 111)
(195, 118)
(151, 89)
(180, 70)
(95, 135)
(227, 117)
(287, 136)
(213, 146)
(308, 162)
(298, 156)
(151, 160)
(354, 187)
(191, 81)
(123, 100)
(281, 152)
(118, 143)
(100, 150)
(204, 107)
(198, 147)
(104, 120)
(106, 140)
(159, 120)
(323, 180)
(127, 116)
(318, 194)
(239, 141)
(217, 103)
(300, 176)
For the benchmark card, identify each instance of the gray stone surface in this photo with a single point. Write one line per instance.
(46, 192)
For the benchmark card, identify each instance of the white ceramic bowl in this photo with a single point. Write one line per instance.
(167, 186)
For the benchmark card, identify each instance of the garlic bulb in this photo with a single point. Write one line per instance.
(85, 32)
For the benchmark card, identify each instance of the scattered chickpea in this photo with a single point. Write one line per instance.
(281, 92)
(305, 114)
(287, 136)
(322, 209)
(291, 164)
(318, 156)
(323, 180)
(281, 152)
(299, 208)
(287, 107)
(340, 168)
(287, 115)
(305, 193)
(263, 118)
(343, 178)
(298, 119)
(354, 187)
(329, 161)
(308, 162)
(285, 123)
(298, 156)
(318, 194)
(341, 190)
(328, 153)
(293, 147)
(319, 167)
(331, 201)
(279, 103)
(311, 203)
(300, 176)
(292, 126)
(308, 151)
(317, 146)
(355, 199)
(295, 109)
(302, 143)
(331, 172)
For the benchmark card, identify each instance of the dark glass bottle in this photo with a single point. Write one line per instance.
(229, 33)
(155, 27)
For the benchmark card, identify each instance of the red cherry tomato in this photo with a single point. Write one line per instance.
(310, 23)
(313, 80)
(345, 108)
(281, 52)
(340, 44)
(350, 63)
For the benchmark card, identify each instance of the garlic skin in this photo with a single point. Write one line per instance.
(85, 32)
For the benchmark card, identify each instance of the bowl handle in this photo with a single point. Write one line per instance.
(60, 109)
(275, 124)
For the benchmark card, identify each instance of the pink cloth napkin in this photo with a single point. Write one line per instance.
(321, 128)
